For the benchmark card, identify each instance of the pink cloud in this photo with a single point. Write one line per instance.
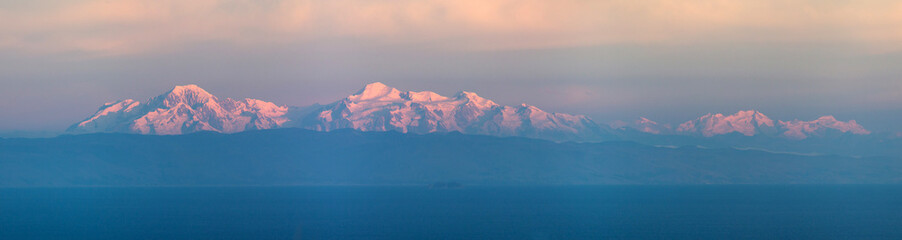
(131, 26)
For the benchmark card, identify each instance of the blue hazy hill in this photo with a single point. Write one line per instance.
(303, 157)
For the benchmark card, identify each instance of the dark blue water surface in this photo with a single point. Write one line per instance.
(632, 212)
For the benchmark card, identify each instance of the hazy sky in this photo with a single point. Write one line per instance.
(667, 60)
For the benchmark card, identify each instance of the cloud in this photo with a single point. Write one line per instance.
(131, 27)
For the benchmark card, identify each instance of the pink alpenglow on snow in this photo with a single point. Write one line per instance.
(378, 107)
(802, 129)
(748, 123)
(184, 109)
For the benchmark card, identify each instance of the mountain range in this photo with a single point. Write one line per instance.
(184, 109)
(378, 107)
(748, 123)
(382, 135)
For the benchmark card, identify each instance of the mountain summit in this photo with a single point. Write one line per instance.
(378, 107)
(375, 107)
(749, 123)
(797, 129)
(184, 109)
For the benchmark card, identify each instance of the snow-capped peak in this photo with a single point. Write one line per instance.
(376, 92)
(475, 100)
(802, 129)
(378, 107)
(184, 109)
(190, 95)
(748, 122)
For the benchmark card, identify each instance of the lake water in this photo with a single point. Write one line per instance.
(585, 212)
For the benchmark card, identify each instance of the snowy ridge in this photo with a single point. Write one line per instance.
(797, 129)
(378, 107)
(184, 109)
(748, 123)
